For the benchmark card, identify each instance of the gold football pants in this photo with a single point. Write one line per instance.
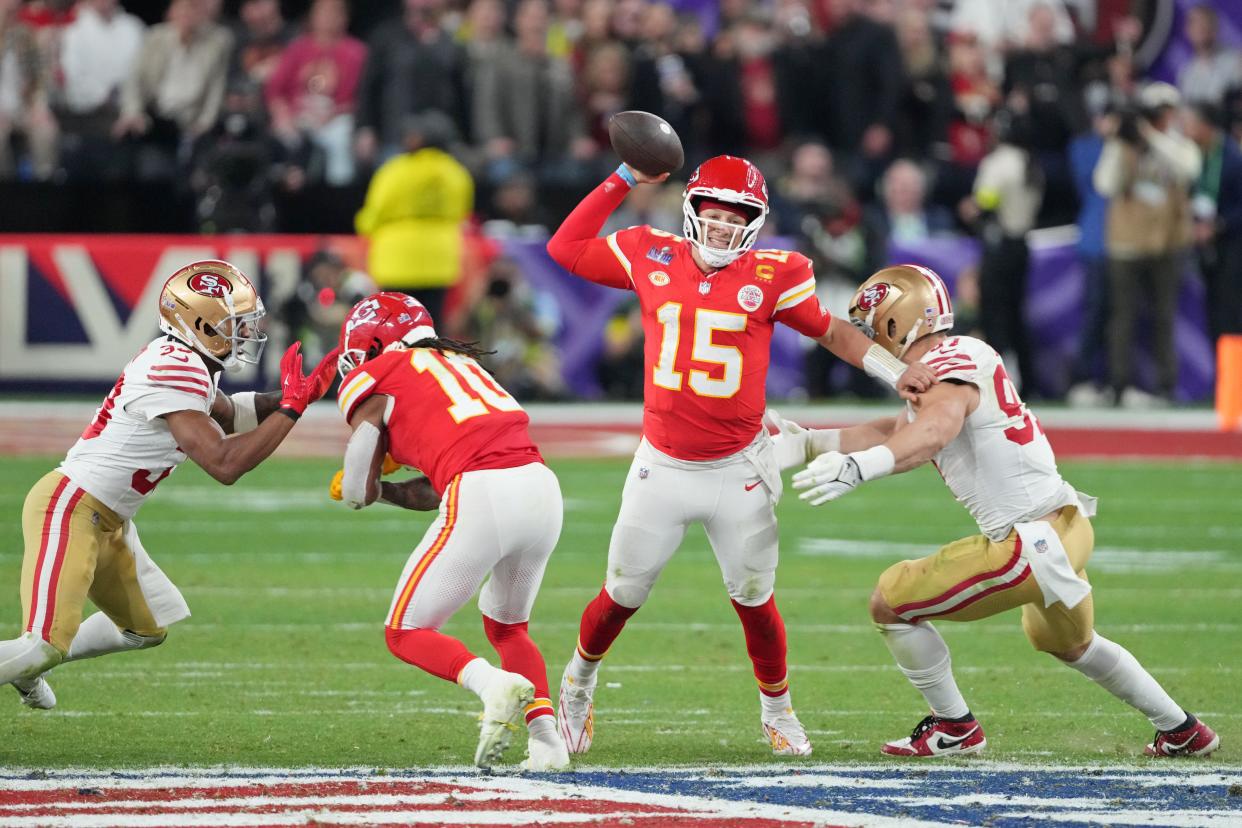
(976, 578)
(76, 549)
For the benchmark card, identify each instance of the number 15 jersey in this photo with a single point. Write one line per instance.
(707, 336)
(445, 416)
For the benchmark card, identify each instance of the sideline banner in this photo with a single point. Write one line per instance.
(75, 308)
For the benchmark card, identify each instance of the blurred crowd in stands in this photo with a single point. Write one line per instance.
(873, 120)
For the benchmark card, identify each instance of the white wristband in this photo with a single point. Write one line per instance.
(877, 461)
(245, 417)
(882, 365)
(822, 440)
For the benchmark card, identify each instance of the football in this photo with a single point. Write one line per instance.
(646, 142)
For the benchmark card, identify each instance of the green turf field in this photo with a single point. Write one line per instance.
(284, 663)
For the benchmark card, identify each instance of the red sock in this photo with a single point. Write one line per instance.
(441, 655)
(765, 644)
(518, 654)
(602, 621)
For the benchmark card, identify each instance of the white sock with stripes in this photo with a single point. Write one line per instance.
(923, 656)
(1111, 666)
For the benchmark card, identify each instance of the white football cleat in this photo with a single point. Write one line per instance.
(546, 752)
(786, 735)
(575, 713)
(36, 693)
(504, 704)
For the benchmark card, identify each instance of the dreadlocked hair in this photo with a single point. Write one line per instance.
(439, 343)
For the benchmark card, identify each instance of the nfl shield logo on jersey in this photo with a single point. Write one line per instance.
(1041, 546)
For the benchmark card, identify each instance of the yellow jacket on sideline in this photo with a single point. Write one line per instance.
(413, 216)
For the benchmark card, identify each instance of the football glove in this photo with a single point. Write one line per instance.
(298, 391)
(796, 445)
(790, 440)
(390, 466)
(828, 477)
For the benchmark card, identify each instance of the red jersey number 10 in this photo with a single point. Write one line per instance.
(450, 370)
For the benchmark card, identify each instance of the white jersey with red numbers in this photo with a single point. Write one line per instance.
(1000, 466)
(708, 336)
(128, 448)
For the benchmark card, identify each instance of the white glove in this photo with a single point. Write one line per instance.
(796, 445)
(828, 476)
(790, 440)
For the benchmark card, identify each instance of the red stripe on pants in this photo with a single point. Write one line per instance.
(47, 531)
(61, 550)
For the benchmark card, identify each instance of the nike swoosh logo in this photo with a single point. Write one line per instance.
(1172, 748)
(753, 485)
(945, 744)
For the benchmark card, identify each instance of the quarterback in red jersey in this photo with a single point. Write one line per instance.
(709, 306)
(430, 403)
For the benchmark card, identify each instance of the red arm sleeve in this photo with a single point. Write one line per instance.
(576, 245)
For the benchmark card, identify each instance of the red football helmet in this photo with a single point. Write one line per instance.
(377, 323)
(730, 180)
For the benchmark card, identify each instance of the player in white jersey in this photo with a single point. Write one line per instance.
(77, 521)
(1036, 535)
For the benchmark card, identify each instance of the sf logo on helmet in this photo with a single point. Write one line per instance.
(873, 296)
(210, 284)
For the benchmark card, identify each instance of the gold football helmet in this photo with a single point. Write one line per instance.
(212, 307)
(900, 304)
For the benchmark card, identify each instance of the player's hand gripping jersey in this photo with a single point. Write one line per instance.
(128, 448)
(445, 416)
(1000, 466)
(707, 336)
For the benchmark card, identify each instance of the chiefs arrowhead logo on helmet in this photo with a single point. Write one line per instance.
(377, 323)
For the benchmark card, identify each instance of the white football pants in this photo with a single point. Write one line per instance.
(734, 498)
(502, 522)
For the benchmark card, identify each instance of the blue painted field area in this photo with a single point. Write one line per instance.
(975, 793)
(972, 794)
